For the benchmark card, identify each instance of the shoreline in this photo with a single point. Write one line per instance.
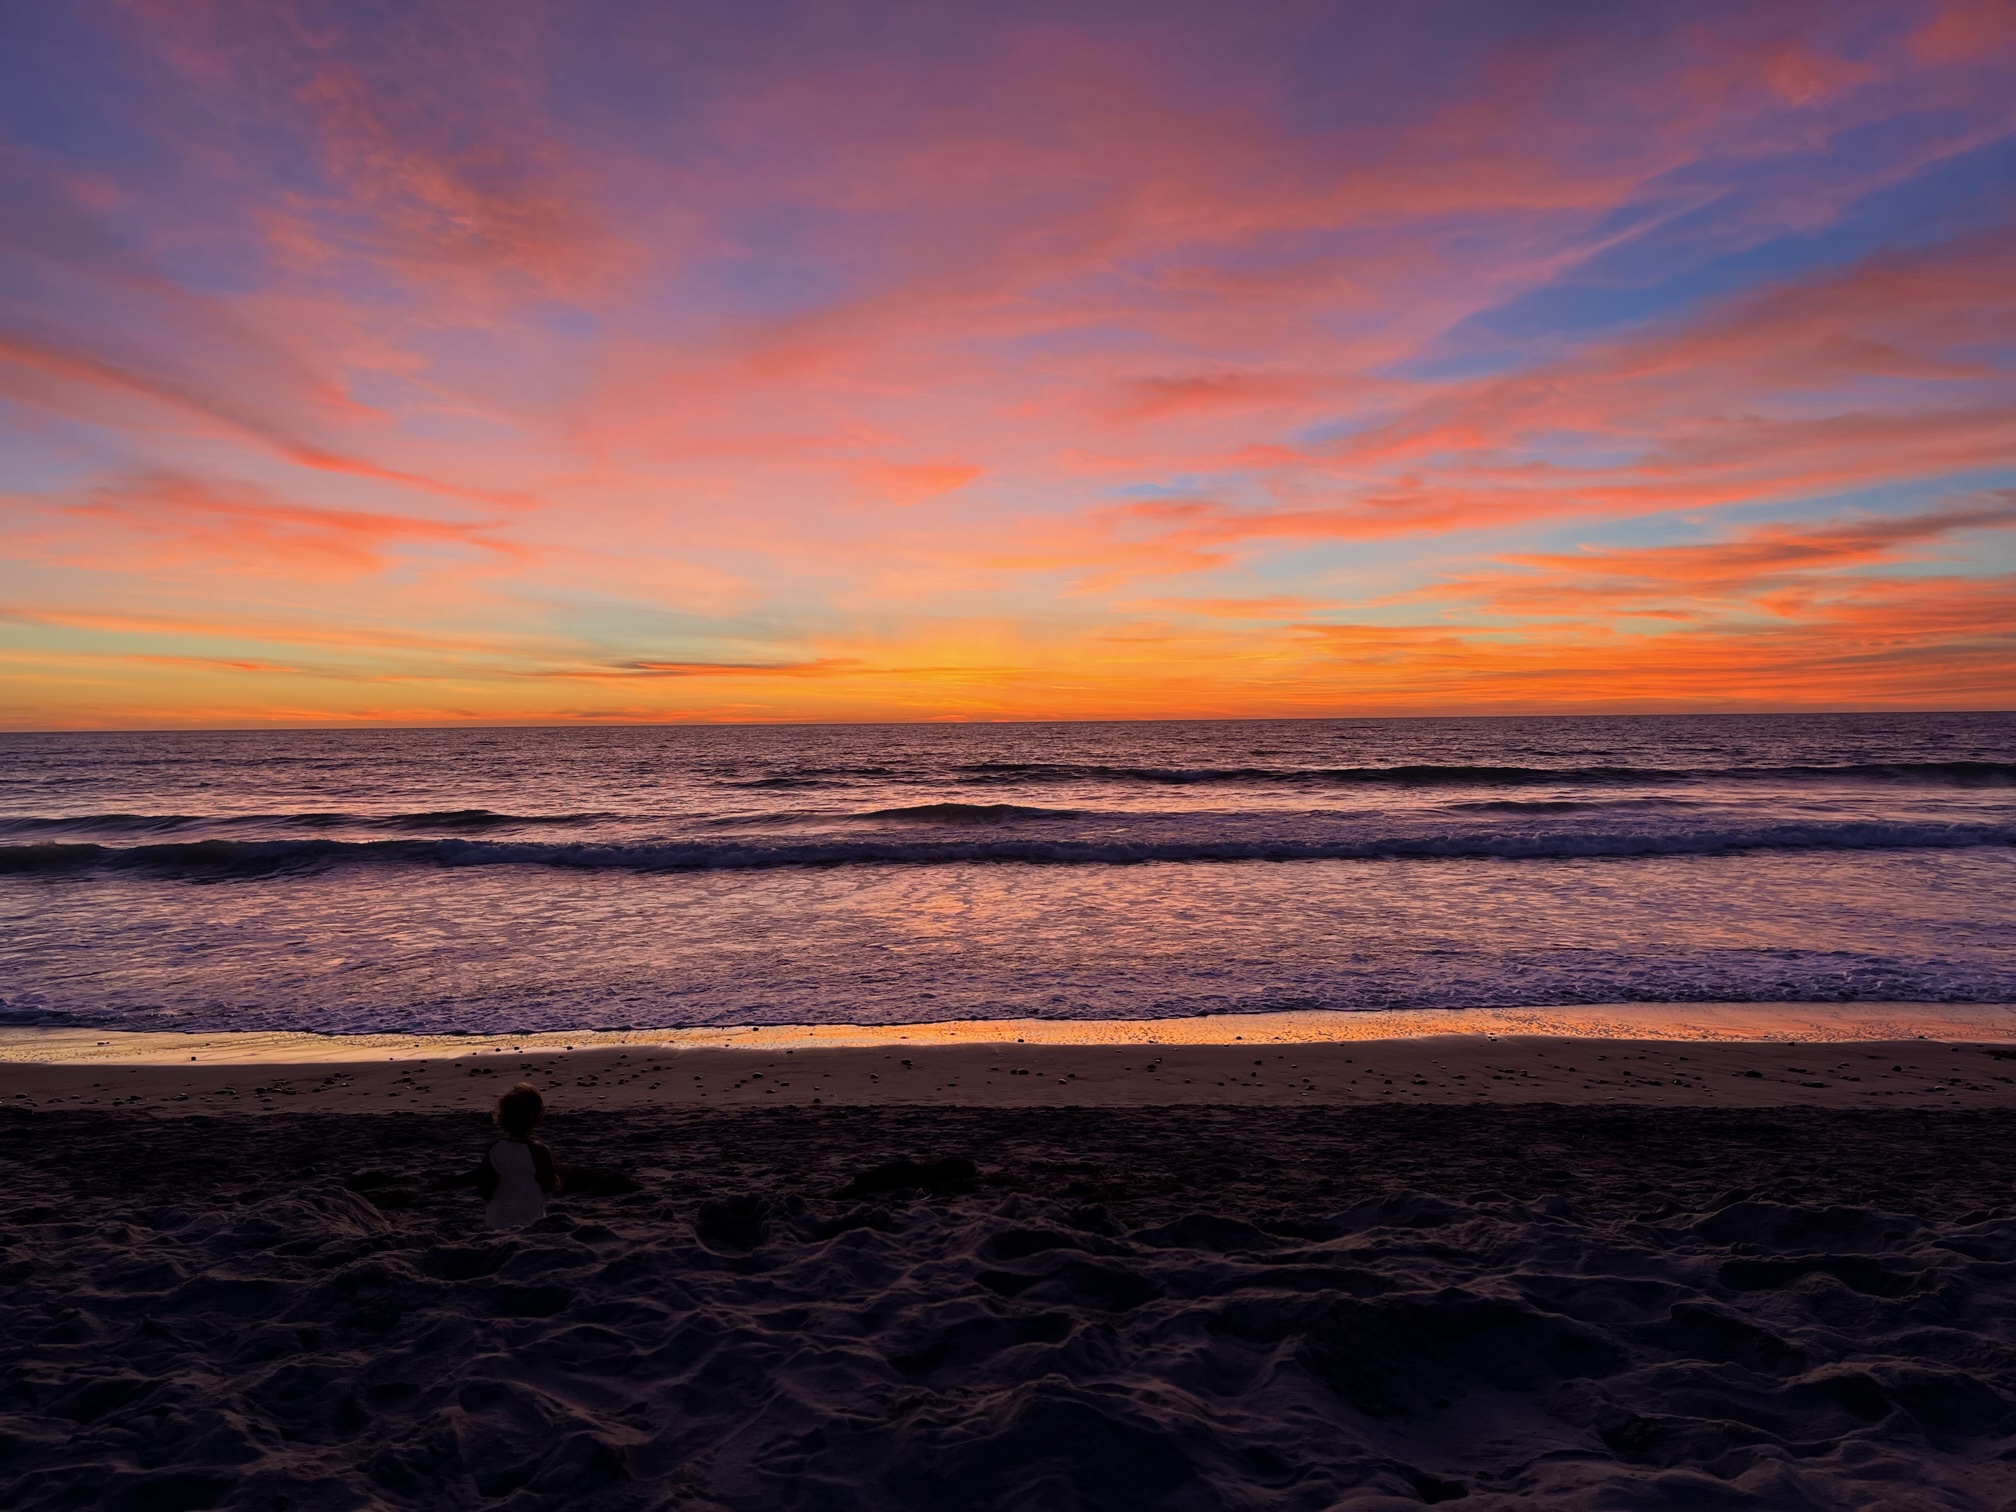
(1708, 1022)
(1653, 1055)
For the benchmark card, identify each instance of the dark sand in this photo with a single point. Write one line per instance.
(1281, 1307)
(1443, 1068)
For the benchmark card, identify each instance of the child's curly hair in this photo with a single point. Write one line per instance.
(519, 1110)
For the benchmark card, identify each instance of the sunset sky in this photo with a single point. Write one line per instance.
(413, 363)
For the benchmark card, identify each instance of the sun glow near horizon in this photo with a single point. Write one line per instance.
(527, 363)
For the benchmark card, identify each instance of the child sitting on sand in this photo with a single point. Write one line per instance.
(517, 1174)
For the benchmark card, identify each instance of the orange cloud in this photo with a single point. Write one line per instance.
(627, 671)
(1762, 561)
(345, 637)
(1891, 644)
(170, 521)
(78, 383)
(1272, 606)
(907, 483)
(1797, 614)
(1163, 398)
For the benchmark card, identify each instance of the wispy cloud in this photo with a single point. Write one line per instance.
(989, 362)
(177, 523)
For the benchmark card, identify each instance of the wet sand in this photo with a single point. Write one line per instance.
(1733, 1055)
(1442, 1070)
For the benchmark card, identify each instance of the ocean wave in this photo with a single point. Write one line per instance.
(811, 777)
(1104, 846)
(970, 813)
(476, 819)
(1922, 773)
(105, 824)
(154, 824)
(1530, 806)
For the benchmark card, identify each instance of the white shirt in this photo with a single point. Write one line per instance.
(517, 1200)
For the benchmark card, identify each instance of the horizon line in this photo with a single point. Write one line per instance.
(815, 724)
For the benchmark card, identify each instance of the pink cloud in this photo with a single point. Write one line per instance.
(442, 162)
(181, 522)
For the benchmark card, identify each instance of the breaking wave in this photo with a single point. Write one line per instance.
(1108, 843)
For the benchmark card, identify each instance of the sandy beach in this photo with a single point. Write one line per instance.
(1509, 1270)
(966, 1307)
(1007, 758)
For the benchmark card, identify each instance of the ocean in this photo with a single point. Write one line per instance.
(512, 880)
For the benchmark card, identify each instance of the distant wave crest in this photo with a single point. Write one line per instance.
(971, 813)
(157, 824)
(1925, 773)
(1106, 846)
